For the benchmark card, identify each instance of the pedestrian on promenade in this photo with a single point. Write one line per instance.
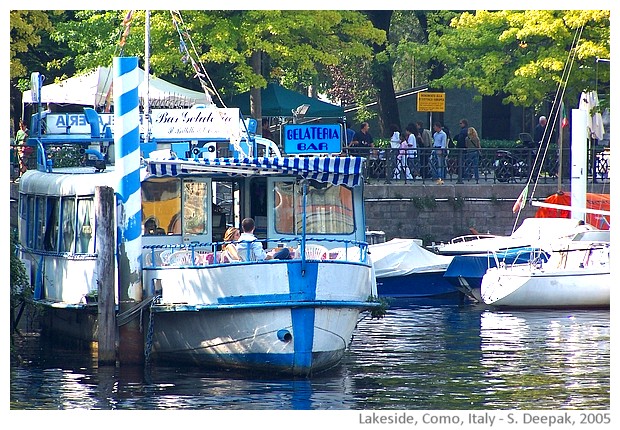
(439, 153)
(539, 131)
(362, 139)
(425, 135)
(472, 157)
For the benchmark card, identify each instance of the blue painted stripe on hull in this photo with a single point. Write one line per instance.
(304, 287)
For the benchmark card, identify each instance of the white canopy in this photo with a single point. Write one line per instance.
(92, 88)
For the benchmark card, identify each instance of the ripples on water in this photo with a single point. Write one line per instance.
(416, 358)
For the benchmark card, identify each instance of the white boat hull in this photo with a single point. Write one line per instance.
(259, 316)
(522, 287)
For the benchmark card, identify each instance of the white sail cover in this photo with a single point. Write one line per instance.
(400, 257)
(93, 89)
(335, 170)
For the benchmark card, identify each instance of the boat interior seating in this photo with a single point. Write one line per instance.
(314, 251)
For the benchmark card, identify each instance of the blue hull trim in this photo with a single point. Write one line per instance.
(266, 305)
(417, 285)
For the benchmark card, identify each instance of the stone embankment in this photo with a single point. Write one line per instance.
(436, 213)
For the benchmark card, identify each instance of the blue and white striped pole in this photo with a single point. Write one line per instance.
(127, 153)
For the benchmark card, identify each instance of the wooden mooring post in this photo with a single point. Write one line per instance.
(106, 321)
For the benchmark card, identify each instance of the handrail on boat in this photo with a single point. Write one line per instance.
(209, 253)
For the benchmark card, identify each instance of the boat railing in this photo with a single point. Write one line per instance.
(579, 254)
(533, 257)
(470, 237)
(200, 254)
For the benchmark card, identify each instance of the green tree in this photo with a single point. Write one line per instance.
(521, 54)
(240, 50)
(28, 29)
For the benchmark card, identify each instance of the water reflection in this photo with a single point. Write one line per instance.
(417, 357)
(553, 358)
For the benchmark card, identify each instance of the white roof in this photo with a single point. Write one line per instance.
(91, 89)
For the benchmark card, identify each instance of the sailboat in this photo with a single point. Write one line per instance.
(178, 185)
(577, 272)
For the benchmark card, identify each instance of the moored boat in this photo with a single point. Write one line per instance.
(404, 269)
(171, 210)
(576, 275)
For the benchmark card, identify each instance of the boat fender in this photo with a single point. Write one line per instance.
(284, 335)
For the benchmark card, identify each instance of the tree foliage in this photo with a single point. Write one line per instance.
(26, 28)
(296, 45)
(522, 54)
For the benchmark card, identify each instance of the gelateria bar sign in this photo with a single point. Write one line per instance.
(202, 123)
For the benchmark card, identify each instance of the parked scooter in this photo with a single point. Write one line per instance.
(515, 164)
(508, 166)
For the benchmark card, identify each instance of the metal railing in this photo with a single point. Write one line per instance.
(496, 165)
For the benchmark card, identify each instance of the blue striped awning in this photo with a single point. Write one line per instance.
(334, 170)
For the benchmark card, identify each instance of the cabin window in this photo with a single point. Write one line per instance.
(26, 213)
(196, 200)
(68, 224)
(329, 208)
(86, 222)
(161, 206)
(39, 224)
(52, 216)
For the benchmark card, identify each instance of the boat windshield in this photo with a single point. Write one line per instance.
(329, 208)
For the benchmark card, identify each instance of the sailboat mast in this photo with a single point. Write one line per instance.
(560, 144)
(147, 72)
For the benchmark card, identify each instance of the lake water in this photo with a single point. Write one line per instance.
(419, 357)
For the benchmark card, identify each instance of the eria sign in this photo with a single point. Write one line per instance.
(312, 139)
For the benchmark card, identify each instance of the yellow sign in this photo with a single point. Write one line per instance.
(431, 102)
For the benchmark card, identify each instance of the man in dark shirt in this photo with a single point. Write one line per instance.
(539, 131)
(362, 139)
(460, 138)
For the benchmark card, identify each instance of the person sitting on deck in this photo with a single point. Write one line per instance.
(248, 248)
(229, 250)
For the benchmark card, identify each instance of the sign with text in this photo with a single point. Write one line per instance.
(73, 123)
(312, 139)
(203, 123)
(194, 123)
(431, 102)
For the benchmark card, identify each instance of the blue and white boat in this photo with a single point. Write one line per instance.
(194, 173)
(405, 270)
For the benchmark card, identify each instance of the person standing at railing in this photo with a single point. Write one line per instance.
(438, 157)
(413, 139)
(362, 139)
(472, 157)
(426, 141)
(539, 130)
(23, 149)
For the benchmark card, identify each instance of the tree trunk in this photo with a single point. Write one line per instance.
(382, 75)
(255, 96)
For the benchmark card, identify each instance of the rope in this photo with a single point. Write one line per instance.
(198, 67)
(129, 314)
(555, 112)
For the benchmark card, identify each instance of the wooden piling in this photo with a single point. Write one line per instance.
(106, 333)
